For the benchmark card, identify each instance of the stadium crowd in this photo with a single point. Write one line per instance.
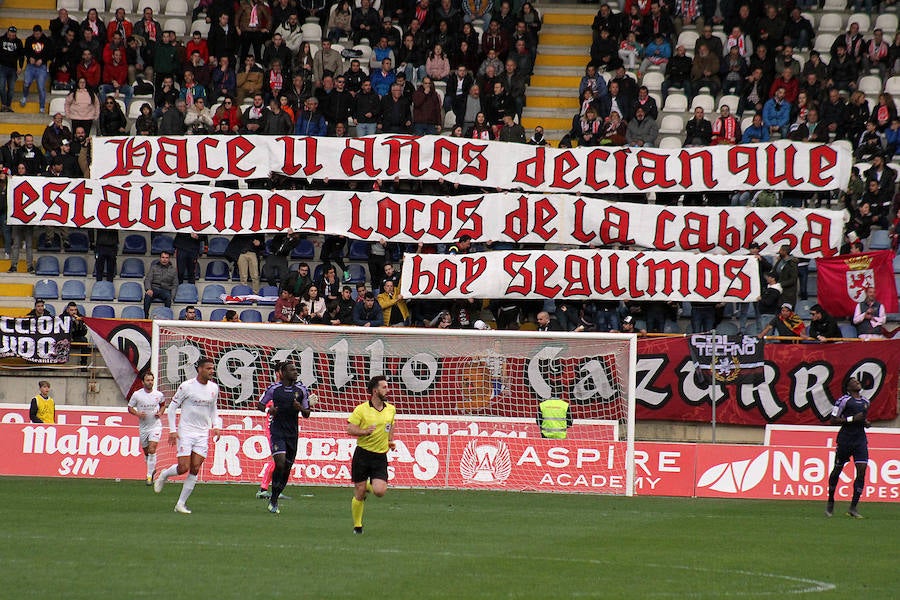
(459, 67)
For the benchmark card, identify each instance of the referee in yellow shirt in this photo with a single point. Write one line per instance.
(372, 423)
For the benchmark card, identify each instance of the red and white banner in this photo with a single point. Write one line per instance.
(506, 217)
(781, 165)
(824, 437)
(842, 281)
(582, 274)
(801, 383)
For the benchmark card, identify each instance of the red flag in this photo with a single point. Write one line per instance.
(843, 280)
(125, 346)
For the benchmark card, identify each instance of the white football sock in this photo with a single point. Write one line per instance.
(170, 472)
(151, 464)
(187, 488)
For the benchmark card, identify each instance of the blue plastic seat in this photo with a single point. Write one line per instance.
(271, 317)
(73, 289)
(182, 311)
(77, 242)
(133, 311)
(318, 272)
(847, 330)
(218, 314)
(47, 266)
(49, 242)
(305, 250)
(218, 270)
(357, 273)
(134, 244)
(880, 240)
(359, 250)
(46, 289)
(211, 294)
(131, 291)
(186, 293)
(162, 312)
(242, 290)
(105, 311)
(132, 268)
(103, 291)
(75, 266)
(161, 243)
(251, 315)
(267, 290)
(216, 246)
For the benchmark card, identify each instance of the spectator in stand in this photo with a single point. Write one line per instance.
(253, 21)
(698, 130)
(474, 10)
(228, 113)
(656, 54)
(515, 85)
(643, 131)
(255, 116)
(614, 130)
(160, 282)
(150, 31)
(716, 48)
(223, 38)
(367, 110)
(380, 51)
(410, 59)
(705, 71)
(54, 134)
(354, 77)
(630, 50)
(764, 60)
(95, 25)
(276, 50)
(481, 128)
(172, 121)
(310, 121)
(199, 45)
(734, 71)
(315, 304)
(364, 22)
(201, 70)
(337, 107)
(594, 82)
(511, 131)
(393, 305)
(786, 324)
(274, 81)
(738, 40)
(499, 105)
(426, 109)
(106, 246)
(285, 307)
(437, 66)
(884, 111)
(166, 56)
(647, 102)
(869, 316)
(89, 70)
(62, 24)
(190, 314)
(857, 116)
(892, 139)
(223, 81)
(345, 305)
(458, 85)
(290, 31)
(114, 81)
(789, 83)
(190, 89)
(605, 51)
(678, 73)
(822, 326)
(657, 22)
(165, 96)
(869, 144)
(329, 285)
(843, 71)
(786, 60)
(834, 112)
(198, 119)
(12, 59)
(249, 79)
(339, 21)
(776, 113)
(756, 132)
(31, 156)
(368, 313)
(615, 102)
(785, 268)
(798, 31)
(112, 120)
(727, 129)
(65, 62)
(396, 116)
(811, 130)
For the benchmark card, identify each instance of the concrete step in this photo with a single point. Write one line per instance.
(570, 82)
(567, 18)
(556, 70)
(577, 28)
(36, 5)
(35, 128)
(545, 121)
(578, 40)
(545, 98)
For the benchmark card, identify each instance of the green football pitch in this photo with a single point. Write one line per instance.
(105, 539)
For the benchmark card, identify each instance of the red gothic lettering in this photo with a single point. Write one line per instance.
(413, 207)
(422, 281)
(530, 172)
(396, 145)
(290, 166)
(784, 235)
(595, 163)
(444, 147)
(577, 276)
(821, 159)
(706, 168)
(514, 266)
(544, 267)
(563, 164)
(23, 196)
(356, 229)
(476, 164)
(659, 236)
(446, 277)
(544, 214)
(578, 231)
(611, 270)
(790, 154)
(697, 226)
(203, 167)
(187, 210)
(153, 210)
(237, 149)
(231, 204)
(304, 204)
(517, 221)
(366, 154)
(467, 212)
(651, 163)
(744, 159)
(114, 206)
(707, 280)
(388, 217)
(817, 237)
(616, 226)
(176, 149)
(739, 284)
(80, 192)
(473, 268)
(441, 222)
(729, 235)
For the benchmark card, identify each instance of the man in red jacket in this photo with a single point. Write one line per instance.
(89, 68)
(115, 79)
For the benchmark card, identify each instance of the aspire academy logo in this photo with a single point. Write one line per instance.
(737, 476)
(485, 462)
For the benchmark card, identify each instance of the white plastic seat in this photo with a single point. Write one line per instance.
(671, 124)
(449, 120)
(864, 21)
(176, 25)
(670, 142)
(835, 5)
(831, 23)
(823, 43)
(869, 84)
(687, 38)
(746, 122)
(312, 32)
(152, 4)
(57, 105)
(100, 5)
(892, 85)
(731, 100)
(654, 80)
(69, 5)
(705, 101)
(128, 5)
(676, 103)
(202, 26)
(176, 8)
(134, 111)
(887, 22)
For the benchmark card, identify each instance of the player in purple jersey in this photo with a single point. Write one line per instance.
(850, 413)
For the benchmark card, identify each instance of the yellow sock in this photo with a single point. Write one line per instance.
(369, 487)
(356, 509)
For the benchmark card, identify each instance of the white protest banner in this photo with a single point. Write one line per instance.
(781, 165)
(581, 275)
(502, 217)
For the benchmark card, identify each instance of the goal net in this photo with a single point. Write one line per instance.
(467, 401)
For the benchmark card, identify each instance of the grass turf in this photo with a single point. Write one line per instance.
(103, 539)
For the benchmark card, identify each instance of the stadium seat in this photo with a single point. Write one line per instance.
(75, 266)
(823, 43)
(705, 101)
(688, 38)
(654, 80)
(131, 291)
(132, 268)
(746, 122)
(134, 244)
(211, 294)
(880, 240)
(727, 328)
(218, 270)
(676, 103)
(186, 293)
(831, 23)
(162, 312)
(103, 291)
(897, 264)
(887, 22)
(863, 20)
(73, 289)
(267, 290)
(671, 125)
(670, 142)
(318, 272)
(731, 100)
(311, 31)
(161, 243)
(176, 8)
(271, 317)
(46, 289)
(47, 266)
(202, 26)
(128, 5)
(142, 4)
(99, 5)
(305, 250)
(177, 26)
(870, 85)
(892, 85)
(359, 250)
(77, 242)
(57, 105)
(105, 311)
(218, 314)
(69, 5)
(49, 243)
(242, 290)
(251, 315)
(847, 330)
(132, 311)
(357, 273)
(216, 246)
(182, 311)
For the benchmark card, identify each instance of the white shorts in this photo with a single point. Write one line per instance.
(193, 443)
(150, 434)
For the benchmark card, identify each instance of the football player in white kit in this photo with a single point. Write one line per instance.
(148, 405)
(197, 398)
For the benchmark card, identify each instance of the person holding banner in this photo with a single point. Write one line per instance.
(850, 412)
(786, 324)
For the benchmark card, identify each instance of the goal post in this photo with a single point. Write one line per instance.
(467, 401)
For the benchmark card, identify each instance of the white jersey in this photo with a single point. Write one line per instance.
(147, 403)
(197, 402)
